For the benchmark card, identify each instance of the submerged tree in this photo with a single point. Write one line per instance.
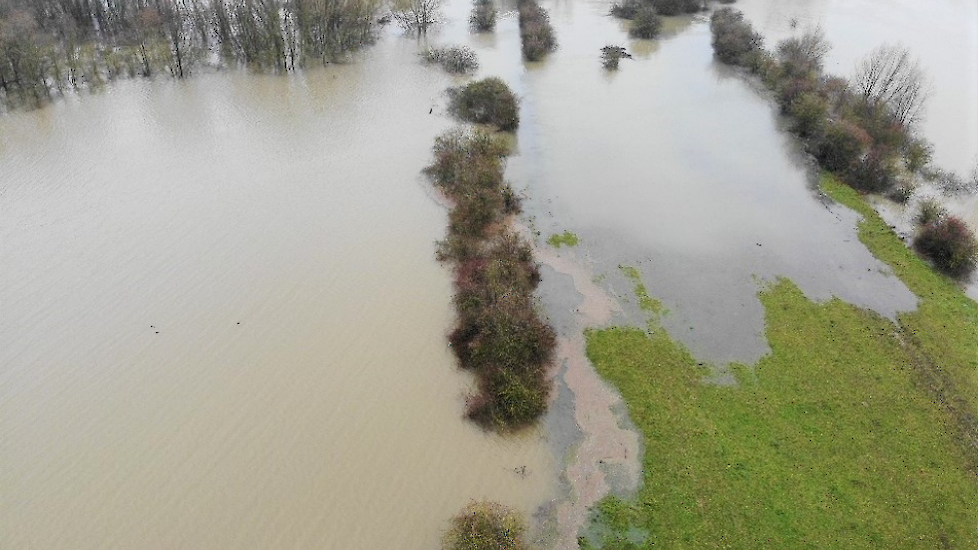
(416, 15)
(483, 17)
(52, 45)
(611, 55)
(890, 76)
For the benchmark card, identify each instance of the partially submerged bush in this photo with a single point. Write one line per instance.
(877, 121)
(536, 33)
(487, 101)
(485, 526)
(626, 9)
(676, 7)
(499, 334)
(950, 245)
(454, 59)
(483, 17)
(873, 173)
(950, 183)
(930, 211)
(917, 154)
(842, 146)
(646, 23)
(734, 40)
(802, 56)
(610, 55)
(903, 193)
(808, 112)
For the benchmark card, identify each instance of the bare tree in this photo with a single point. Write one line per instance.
(890, 76)
(416, 14)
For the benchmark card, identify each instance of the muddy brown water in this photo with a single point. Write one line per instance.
(222, 325)
(140, 226)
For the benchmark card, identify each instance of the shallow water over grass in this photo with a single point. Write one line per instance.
(676, 166)
(223, 325)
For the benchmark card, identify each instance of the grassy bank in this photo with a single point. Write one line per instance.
(853, 433)
(942, 334)
(826, 443)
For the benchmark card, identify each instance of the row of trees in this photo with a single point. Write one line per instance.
(860, 128)
(50, 45)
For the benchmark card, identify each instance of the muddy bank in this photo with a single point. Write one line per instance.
(600, 453)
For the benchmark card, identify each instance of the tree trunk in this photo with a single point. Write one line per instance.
(142, 53)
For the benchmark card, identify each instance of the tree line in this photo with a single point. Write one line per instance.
(49, 46)
(860, 129)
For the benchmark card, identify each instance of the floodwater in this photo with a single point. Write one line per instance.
(676, 165)
(222, 325)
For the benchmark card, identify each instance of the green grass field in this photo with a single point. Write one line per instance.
(850, 434)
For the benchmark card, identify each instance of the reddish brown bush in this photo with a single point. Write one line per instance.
(950, 245)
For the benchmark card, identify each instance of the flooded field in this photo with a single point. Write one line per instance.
(223, 325)
(677, 166)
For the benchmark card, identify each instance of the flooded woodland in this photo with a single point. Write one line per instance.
(223, 317)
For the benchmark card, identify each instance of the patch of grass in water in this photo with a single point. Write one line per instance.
(563, 239)
(645, 302)
(827, 443)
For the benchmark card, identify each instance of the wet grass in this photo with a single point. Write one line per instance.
(566, 238)
(645, 302)
(854, 432)
(827, 443)
(942, 333)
